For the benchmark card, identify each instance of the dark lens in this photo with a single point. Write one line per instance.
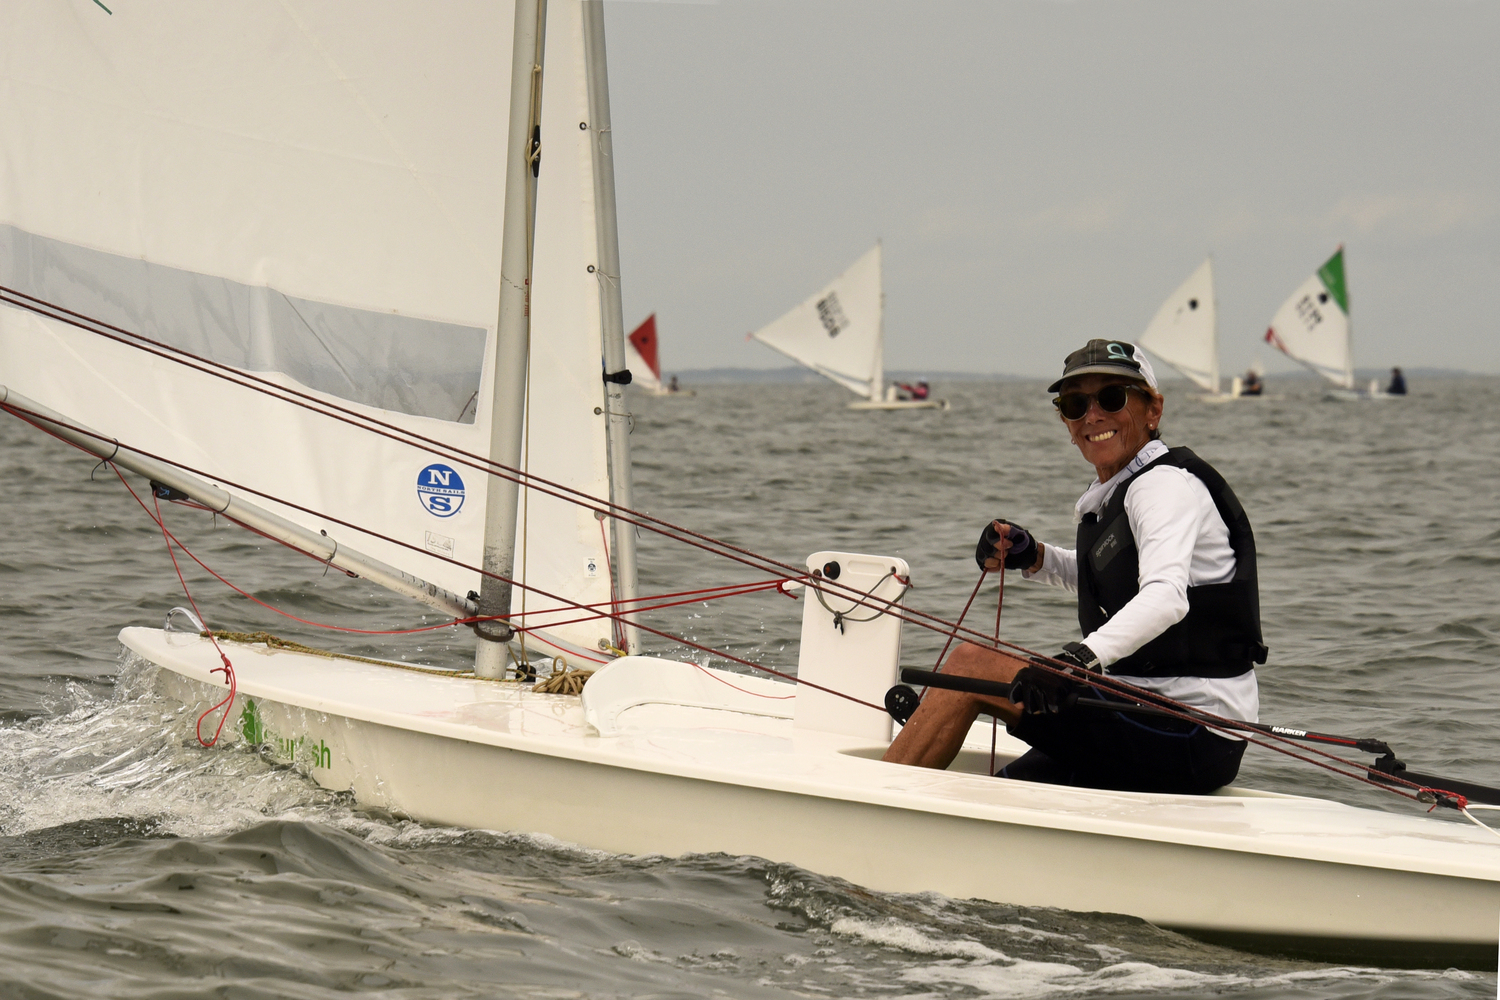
(1072, 405)
(1112, 398)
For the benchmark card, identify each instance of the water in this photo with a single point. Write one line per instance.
(133, 862)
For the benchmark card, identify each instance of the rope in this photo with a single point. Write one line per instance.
(920, 619)
(227, 669)
(839, 617)
(410, 438)
(639, 519)
(564, 682)
(276, 642)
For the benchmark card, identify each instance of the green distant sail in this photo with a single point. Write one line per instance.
(1332, 276)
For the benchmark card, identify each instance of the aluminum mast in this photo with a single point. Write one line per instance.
(611, 315)
(512, 332)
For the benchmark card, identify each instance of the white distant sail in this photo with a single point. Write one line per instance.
(1184, 332)
(838, 331)
(312, 192)
(1312, 327)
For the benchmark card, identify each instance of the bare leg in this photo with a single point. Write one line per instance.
(933, 735)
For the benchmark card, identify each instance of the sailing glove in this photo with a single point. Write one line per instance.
(1022, 553)
(1042, 691)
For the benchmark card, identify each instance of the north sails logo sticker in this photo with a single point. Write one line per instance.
(441, 490)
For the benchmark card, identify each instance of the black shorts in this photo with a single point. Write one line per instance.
(1094, 748)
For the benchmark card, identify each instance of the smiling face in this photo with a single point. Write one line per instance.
(1108, 441)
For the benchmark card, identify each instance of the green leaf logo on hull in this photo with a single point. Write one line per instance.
(251, 727)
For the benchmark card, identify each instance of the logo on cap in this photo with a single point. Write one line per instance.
(1118, 352)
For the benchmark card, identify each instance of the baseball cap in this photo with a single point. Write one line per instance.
(1107, 357)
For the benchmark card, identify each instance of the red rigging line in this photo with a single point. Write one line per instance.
(819, 583)
(723, 549)
(1105, 682)
(481, 464)
(1272, 741)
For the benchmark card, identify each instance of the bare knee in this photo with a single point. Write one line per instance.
(976, 661)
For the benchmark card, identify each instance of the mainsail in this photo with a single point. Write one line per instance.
(1184, 332)
(1312, 326)
(641, 358)
(837, 332)
(308, 191)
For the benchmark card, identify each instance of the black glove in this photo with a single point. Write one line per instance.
(1042, 691)
(1022, 553)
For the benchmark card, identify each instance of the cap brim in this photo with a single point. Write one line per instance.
(1103, 368)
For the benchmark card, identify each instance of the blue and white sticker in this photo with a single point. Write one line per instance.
(440, 489)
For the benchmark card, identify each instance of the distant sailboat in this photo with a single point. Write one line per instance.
(1312, 328)
(644, 364)
(839, 333)
(1184, 331)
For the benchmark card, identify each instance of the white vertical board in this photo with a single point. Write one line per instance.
(849, 648)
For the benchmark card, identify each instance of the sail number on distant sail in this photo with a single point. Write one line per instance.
(832, 314)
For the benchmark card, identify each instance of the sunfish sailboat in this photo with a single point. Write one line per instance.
(259, 270)
(839, 332)
(1184, 331)
(1312, 327)
(644, 362)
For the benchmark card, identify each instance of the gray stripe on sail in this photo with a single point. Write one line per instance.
(422, 367)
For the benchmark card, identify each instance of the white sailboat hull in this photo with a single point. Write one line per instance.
(899, 404)
(1342, 395)
(1285, 871)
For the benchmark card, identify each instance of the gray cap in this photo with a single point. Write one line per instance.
(1107, 357)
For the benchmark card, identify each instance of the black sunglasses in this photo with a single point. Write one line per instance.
(1073, 405)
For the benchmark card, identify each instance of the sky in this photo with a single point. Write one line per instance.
(1044, 172)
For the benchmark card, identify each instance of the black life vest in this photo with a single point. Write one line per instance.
(1220, 635)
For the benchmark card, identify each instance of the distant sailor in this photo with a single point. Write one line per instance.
(1398, 383)
(672, 385)
(1167, 600)
(1252, 385)
(918, 391)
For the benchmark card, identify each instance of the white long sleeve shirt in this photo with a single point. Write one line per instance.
(1181, 542)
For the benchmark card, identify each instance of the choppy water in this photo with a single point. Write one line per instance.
(133, 863)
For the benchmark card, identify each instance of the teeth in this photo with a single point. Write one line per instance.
(1102, 437)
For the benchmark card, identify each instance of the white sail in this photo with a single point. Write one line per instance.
(1184, 331)
(307, 191)
(837, 332)
(1312, 327)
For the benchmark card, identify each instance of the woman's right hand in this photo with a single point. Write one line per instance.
(1005, 543)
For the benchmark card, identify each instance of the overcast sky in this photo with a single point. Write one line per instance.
(1045, 172)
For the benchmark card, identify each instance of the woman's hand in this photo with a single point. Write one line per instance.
(1004, 543)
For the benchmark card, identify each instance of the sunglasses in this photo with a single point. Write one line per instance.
(1111, 399)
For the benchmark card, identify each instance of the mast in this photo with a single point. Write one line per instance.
(1213, 298)
(877, 376)
(512, 331)
(611, 313)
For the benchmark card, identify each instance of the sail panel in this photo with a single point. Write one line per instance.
(1184, 331)
(307, 190)
(837, 331)
(1312, 326)
(419, 366)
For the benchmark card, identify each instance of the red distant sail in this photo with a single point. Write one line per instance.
(643, 339)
